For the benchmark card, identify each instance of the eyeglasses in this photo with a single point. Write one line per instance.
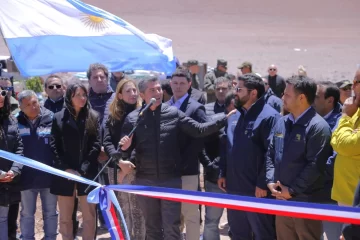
(57, 86)
(266, 83)
(238, 89)
(8, 88)
(272, 69)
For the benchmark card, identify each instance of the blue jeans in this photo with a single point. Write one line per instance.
(4, 222)
(27, 213)
(212, 215)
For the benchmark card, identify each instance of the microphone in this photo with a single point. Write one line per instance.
(152, 101)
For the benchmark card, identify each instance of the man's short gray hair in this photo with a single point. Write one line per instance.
(25, 94)
(221, 80)
(142, 85)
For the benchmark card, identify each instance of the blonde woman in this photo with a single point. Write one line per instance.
(125, 101)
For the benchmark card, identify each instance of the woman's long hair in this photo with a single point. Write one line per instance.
(5, 111)
(90, 115)
(117, 107)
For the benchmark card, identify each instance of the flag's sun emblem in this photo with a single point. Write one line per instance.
(94, 23)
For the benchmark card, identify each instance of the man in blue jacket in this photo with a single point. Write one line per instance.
(34, 127)
(245, 167)
(190, 147)
(327, 104)
(296, 158)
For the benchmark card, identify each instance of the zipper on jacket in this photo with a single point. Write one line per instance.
(156, 145)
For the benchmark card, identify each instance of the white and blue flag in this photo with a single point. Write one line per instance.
(49, 36)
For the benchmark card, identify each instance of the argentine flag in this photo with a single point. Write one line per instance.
(49, 36)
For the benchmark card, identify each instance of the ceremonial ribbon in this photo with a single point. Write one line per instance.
(106, 195)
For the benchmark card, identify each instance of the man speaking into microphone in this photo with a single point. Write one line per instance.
(158, 160)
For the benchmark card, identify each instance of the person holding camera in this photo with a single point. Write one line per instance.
(76, 144)
(10, 141)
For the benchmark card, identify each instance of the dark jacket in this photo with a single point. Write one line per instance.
(156, 139)
(277, 84)
(298, 153)
(10, 192)
(197, 95)
(332, 120)
(36, 140)
(190, 147)
(352, 231)
(73, 146)
(100, 102)
(56, 106)
(247, 162)
(273, 100)
(195, 83)
(112, 133)
(114, 81)
(210, 155)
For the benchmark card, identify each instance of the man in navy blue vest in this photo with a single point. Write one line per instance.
(327, 104)
(296, 158)
(190, 147)
(245, 166)
(34, 127)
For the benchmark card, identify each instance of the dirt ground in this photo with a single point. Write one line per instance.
(322, 35)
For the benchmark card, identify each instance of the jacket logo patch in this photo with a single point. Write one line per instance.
(43, 131)
(297, 137)
(24, 131)
(280, 135)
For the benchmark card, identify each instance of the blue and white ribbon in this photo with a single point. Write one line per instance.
(268, 206)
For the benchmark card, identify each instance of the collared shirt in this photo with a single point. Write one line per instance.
(55, 101)
(178, 103)
(291, 116)
(328, 115)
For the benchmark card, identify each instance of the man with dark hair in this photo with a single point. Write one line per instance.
(328, 106)
(115, 78)
(210, 157)
(210, 77)
(190, 147)
(158, 156)
(193, 66)
(271, 98)
(54, 88)
(246, 67)
(345, 90)
(165, 86)
(245, 165)
(296, 158)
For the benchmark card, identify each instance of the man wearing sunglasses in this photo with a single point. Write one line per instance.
(245, 163)
(5, 84)
(54, 88)
(345, 87)
(276, 82)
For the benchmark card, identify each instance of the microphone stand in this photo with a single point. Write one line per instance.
(99, 173)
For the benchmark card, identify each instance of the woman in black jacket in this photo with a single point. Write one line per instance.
(76, 145)
(10, 141)
(125, 101)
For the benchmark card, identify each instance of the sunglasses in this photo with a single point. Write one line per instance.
(272, 69)
(8, 88)
(238, 89)
(57, 86)
(347, 88)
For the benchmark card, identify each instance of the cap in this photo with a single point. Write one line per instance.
(221, 62)
(192, 63)
(245, 64)
(343, 83)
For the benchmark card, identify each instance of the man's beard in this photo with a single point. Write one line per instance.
(239, 103)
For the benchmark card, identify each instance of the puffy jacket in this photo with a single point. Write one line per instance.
(273, 100)
(346, 142)
(298, 153)
(10, 192)
(156, 139)
(72, 146)
(100, 102)
(36, 140)
(210, 156)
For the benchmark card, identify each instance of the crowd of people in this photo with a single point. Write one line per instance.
(293, 139)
